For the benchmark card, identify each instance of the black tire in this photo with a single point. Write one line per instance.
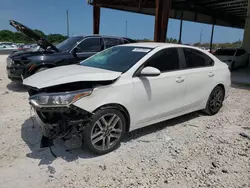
(215, 101)
(41, 69)
(92, 128)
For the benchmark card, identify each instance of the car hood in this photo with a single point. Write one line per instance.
(23, 55)
(42, 42)
(69, 74)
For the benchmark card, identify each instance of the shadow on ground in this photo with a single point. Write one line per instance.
(31, 134)
(16, 87)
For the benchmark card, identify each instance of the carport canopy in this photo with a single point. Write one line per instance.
(229, 13)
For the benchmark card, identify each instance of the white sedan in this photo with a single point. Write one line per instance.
(125, 88)
(233, 57)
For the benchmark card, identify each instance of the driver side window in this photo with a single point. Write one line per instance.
(90, 45)
(165, 60)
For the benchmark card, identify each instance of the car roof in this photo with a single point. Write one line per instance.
(158, 44)
(96, 35)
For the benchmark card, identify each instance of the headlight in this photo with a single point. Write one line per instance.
(58, 99)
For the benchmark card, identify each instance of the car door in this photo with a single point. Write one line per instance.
(199, 72)
(86, 48)
(160, 97)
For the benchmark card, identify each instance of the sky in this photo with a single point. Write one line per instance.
(49, 16)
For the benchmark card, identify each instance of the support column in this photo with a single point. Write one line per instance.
(158, 16)
(162, 11)
(165, 19)
(180, 34)
(212, 37)
(246, 38)
(96, 19)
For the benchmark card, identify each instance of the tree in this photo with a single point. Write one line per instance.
(18, 37)
(6, 35)
(56, 38)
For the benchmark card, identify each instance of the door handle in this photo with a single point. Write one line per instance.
(180, 79)
(210, 74)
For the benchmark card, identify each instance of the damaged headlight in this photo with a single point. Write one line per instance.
(58, 99)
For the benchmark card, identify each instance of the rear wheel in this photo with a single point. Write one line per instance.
(215, 101)
(104, 131)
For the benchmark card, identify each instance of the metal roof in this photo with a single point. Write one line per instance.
(231, 13)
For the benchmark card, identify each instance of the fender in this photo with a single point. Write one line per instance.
(33, 68)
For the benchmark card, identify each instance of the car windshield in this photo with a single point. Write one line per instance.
(225, 52)
(68, 43)
(118, 58)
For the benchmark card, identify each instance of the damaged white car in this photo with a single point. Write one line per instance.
(125, 88)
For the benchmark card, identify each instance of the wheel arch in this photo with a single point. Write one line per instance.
(223, 87)
(47, 65)
(119, 107)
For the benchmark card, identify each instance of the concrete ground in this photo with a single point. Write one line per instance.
(187, 152)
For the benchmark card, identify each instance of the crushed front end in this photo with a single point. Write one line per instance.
(58, 117)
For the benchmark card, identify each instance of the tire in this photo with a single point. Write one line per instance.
(41, 69)
(109, 138)
(215, 101)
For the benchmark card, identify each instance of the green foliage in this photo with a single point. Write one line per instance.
(56, 38)
(18, 37)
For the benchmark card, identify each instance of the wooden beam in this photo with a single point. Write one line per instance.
(158, 17)
(96, 19)
(165, 19)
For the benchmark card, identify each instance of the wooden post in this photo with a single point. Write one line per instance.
(165, 18)
(162, 12)
(96, 19)
(158, 16)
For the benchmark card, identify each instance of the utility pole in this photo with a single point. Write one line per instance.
(67, 14)
(201, 36)
(126, 28)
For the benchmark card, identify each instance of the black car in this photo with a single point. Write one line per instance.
(71, 51)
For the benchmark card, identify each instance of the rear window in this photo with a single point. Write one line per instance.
(225, 52)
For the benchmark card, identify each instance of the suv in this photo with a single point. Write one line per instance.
(71, 51)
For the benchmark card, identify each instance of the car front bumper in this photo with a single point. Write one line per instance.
(58, 122)
(16, 72)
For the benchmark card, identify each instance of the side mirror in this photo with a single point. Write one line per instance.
(150, 71)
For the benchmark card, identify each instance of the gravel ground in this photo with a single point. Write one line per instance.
(190, 151)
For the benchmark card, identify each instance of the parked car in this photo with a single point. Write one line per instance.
(71, 51)
(233, 57)
(8, 47)
(124, 88)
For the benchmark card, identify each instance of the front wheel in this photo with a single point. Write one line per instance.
(215, 101)
(104, 131)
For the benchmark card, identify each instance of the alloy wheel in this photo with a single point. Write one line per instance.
(106, 131)
(216, 99)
